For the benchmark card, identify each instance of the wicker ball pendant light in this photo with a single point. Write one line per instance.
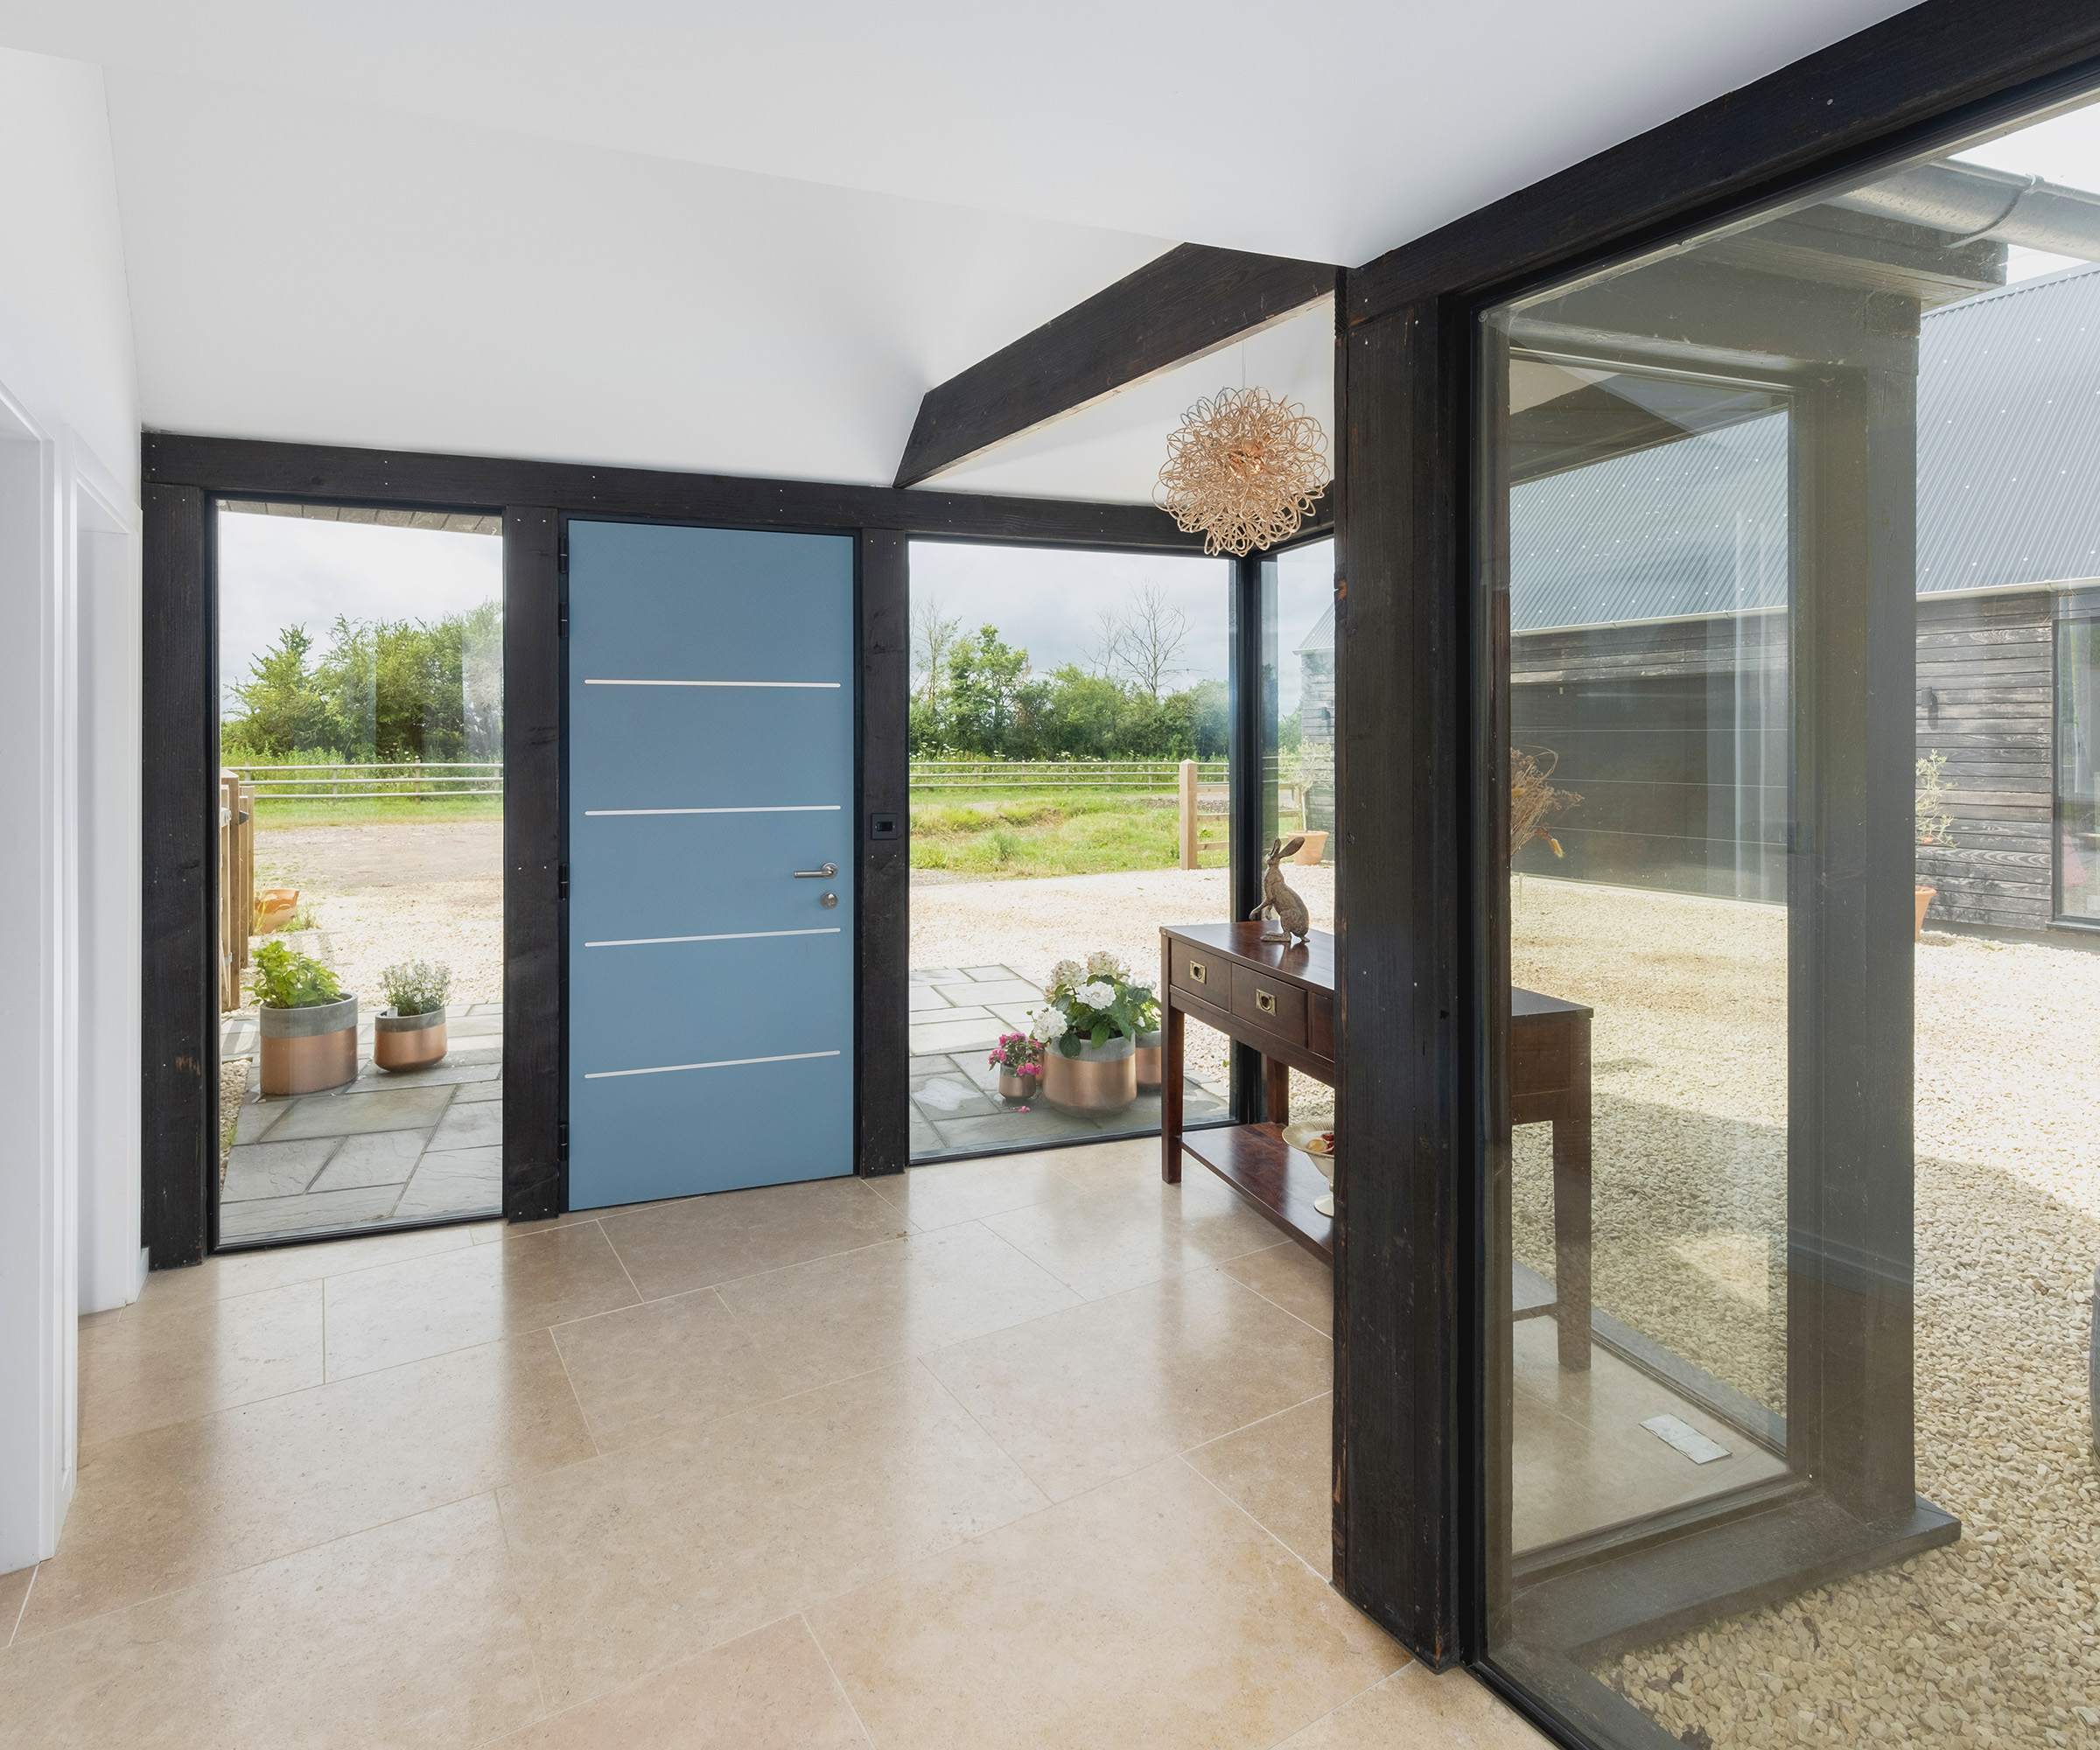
(1243, 470)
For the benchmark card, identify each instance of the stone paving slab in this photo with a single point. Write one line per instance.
(946, 1036)
(466, 1181)
(940, 974)
(307, 1214)
(381, 1158)
(282, 1169)
(469, 1127)
(983, 994)
(349, 1114)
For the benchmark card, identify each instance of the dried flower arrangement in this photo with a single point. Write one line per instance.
(1534, 803)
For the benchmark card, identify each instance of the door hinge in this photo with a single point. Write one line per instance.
(561, 890)
(561, 624)
(561, 1139)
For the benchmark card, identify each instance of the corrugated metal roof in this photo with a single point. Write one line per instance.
(2009, 434)
(1697, 526)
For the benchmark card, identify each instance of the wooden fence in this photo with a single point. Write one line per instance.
(236, 883)
(418, 780)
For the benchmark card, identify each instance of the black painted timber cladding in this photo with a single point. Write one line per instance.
(178, 760)
(883, 891)
(1176, 307)
(533, 922)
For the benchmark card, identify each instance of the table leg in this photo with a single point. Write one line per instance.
(1171, 1021)
(1571, 1195)
(1276, 1090)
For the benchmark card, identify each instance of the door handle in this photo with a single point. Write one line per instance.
(824, 874)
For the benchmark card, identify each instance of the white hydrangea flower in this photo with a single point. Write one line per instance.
(1049, 1025)
(1102, 964)
(1097, 995)
(1064, 979)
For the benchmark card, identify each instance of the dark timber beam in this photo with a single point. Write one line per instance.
(1188, 302)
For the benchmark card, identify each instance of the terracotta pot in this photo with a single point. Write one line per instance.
(1148, 1062)
(408, 1042)
(1924, 896)
(1012, 1087)
(1313, 849)
(1100, 1079)
(305, 1050)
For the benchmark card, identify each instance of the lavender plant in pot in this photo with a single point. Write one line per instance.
(409, 1033)
(1090, 1030)
(308, 1027)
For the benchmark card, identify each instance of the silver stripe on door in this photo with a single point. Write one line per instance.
(732, 935)
(833, 685)
(725, 1063)
(792, 808)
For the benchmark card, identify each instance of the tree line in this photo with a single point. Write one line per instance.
(386, 690)
(975, 697)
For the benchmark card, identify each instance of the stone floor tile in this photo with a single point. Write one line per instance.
(473, 1026)
(346, 1115)
(280, 1169)
(861, 1310)
(231, 1273)
(929, 1037)
(466, 1127)
(398, 1313)
(983, 993)
(256, 1119)
(474, 1092)
(467, 1181)
(311, 1213)
(767, 1690)
(1278, 1471)
(940, 1195)
(187, 1502)
(407, 1634)
(643, 1370)
(1106, 1237)
(923, 997)
(1453, 1711)
(447, 1072)
(632, 1560)
(378, 1157)
(672, 1247)
(144, 1372)
(940, 1097)
(1292, 1277)
(939, 974)
(993, 975)
(1079, 1397)
(1150, 1615)
(14, 1592)
(1010, 1130)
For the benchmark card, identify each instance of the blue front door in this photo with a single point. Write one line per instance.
(710, 866)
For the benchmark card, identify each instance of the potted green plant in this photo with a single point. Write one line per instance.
(1934, 823)
(409, 1033)
(1090, 1030)
(308, 1027)
(1020, 1062)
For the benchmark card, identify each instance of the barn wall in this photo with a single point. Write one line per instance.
(1986, 700)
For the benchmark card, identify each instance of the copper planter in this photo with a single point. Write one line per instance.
(1100, 1079)
(1148, 1063)
(1012, 1087)
(408, 1042)
(305, 1050)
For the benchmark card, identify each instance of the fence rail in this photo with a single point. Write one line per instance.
(415, 780)
(1162, 775)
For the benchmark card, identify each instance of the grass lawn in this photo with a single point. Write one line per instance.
(369, 811)
(1018, 834)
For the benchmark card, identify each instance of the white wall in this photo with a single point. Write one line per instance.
(69, 870)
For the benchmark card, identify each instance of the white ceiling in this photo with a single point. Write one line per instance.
(749, 240)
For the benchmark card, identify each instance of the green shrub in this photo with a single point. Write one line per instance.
(416, 987)
(286, 980)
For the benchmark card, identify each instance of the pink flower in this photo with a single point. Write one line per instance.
(1020, 1108)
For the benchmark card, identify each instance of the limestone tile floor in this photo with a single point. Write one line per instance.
(958, 1014)
(413, 1145)
(1019, 1452)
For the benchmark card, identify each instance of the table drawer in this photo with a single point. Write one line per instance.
(1200, 972)
(1272, 1004)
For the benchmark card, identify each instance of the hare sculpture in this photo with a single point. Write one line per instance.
(1289, 909)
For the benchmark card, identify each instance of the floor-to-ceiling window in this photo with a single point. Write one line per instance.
(360, 736)
(1792, 1216)
(1070, 733)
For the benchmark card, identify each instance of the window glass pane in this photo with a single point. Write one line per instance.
(1788, 533)
(1070, 787)
(360, 733)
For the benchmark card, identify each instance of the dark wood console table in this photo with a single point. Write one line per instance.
(1280, 1000)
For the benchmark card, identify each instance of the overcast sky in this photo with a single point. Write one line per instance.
(276, 572)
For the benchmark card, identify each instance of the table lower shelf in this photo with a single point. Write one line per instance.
(1277, 1180)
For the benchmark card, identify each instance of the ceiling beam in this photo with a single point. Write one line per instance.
(1188, 302)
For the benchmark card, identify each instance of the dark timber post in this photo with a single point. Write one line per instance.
(882, 1067)
(533, 908)
(178, 763)
(1248, 682)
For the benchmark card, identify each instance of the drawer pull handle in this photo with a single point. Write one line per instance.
(1266, 1001)
(1196, 972)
